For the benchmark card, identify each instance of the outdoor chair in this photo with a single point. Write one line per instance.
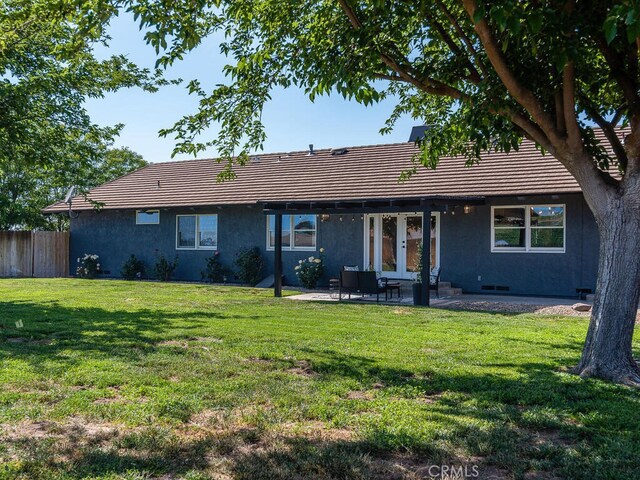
(363, 283)
(348, 283)
(434, 280)
(369, 284)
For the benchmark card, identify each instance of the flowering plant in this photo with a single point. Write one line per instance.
(88, 266)
(310, 270)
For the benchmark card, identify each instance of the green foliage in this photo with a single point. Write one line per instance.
(250, 266)
(47, 71)
(215, 271)
(25, 189)
(310, 270)
(425, 56)
(163, 268)
(133, 268)
(88, 266)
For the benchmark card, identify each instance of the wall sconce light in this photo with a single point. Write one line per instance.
(325, 217)
(353, 218)
(340, 217)
(468, 209)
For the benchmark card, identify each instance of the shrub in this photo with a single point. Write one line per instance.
(163, 269)
(88, 266)
(251, 264)
(310, 270)
(132, 268)
(215, 271)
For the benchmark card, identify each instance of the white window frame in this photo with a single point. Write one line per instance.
(197, 245)
(148, 211)
(291, 246)
(527, 228)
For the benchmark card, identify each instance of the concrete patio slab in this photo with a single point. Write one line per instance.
(490, 303)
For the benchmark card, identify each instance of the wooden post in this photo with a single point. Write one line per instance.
(425, 268)
(277, 257)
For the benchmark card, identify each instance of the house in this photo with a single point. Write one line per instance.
(516, 223)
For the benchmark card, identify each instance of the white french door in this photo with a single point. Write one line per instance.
(392, 243)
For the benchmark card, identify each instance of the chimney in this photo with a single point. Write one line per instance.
(417, 133)
(311, 152)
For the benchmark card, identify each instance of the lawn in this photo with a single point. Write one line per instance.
(113, 379)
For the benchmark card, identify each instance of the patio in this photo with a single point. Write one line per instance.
(491, 303)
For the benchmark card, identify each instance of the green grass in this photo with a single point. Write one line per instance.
(111, 379)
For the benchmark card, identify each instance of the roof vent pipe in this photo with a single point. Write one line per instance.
(311, 152)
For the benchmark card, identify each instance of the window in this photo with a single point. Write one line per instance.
(197, 232)
(298, 232)
(147, 217)
(529, 228)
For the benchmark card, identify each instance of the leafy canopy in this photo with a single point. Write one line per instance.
(484, 74)
(47, 71)
(27, 188)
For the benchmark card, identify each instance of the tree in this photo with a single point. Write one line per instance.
(486, 74)
(47, 71)
(25, 189)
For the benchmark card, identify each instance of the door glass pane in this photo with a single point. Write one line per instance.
(208, 231)
(372, 233)
(414, 239)
(187, 231)
(389, 244)
(433, 241)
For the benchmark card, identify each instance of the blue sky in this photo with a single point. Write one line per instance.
(291, 120)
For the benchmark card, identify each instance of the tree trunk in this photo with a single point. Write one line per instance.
(607, 352)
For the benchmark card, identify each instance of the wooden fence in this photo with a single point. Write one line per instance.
(34, 254)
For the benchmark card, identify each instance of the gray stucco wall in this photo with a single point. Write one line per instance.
(465, 251)
(114, 235)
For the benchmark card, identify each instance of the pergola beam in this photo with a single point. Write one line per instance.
(369, 206)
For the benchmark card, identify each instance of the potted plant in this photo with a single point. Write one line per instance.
(417, 285)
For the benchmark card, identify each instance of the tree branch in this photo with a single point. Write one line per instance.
(474, 75)
(391, 78)
(406, 72)
(521, 94)
(559, 106)
(608, 129)
(616, 64)
(464, 38)
(569, 106)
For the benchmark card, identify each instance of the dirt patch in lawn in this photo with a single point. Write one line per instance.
(409, 467)
(173, 343)
(223, 444)
(360, 395)
(75, 429)
(302, 368)
(259, 361)
(541, 438)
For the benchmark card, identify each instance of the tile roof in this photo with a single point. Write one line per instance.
(365, 172)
